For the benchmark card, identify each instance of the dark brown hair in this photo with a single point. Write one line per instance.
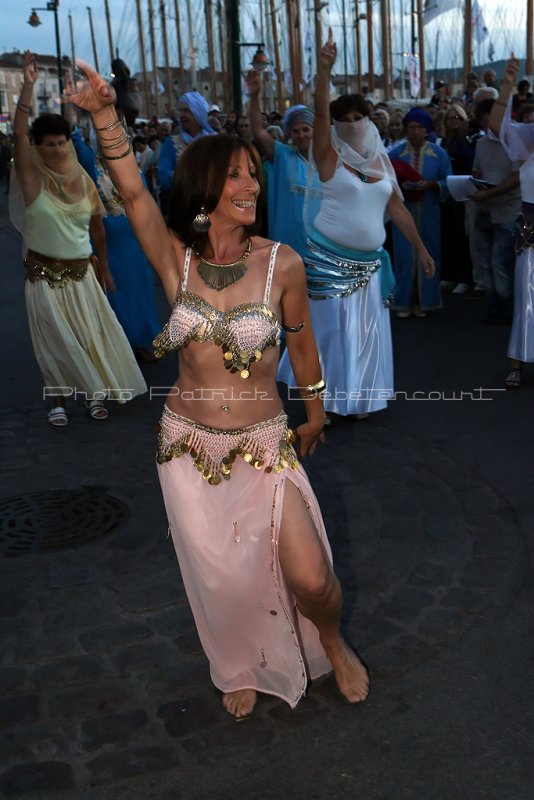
(49, 125)
(347, 103)
(199, 179)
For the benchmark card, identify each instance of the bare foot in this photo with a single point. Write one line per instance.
(240, 703)
(351, 676)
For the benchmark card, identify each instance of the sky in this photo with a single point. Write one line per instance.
(505, 20)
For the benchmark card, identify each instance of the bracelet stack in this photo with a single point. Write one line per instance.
(309, 392)
(24, 108)
(114, 142)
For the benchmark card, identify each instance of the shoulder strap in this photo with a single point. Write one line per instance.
(270, 271)
(187, 261)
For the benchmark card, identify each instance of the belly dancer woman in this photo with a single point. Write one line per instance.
(79, 345)
(246, 526)
(350, 185)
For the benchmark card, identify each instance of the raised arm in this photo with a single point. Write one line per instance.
(264, 139)
(497, 110)
(324, 154)
(98, 97)
(26, 172)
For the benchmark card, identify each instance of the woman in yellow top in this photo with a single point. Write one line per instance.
(246, 526)
(80, 347)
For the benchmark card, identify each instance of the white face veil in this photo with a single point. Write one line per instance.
(359, 145)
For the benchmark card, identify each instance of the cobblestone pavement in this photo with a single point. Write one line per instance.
(104, 689)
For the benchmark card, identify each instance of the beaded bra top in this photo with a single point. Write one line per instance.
(243, 332)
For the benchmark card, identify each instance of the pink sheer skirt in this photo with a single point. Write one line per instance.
(226, 541)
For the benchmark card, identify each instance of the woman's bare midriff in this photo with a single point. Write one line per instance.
(208, 393)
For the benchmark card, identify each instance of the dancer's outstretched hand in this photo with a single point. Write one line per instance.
(94, 93)
(31, 71)
(511, 69)
(328, 53)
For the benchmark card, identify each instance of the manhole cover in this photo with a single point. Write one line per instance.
(54, 519)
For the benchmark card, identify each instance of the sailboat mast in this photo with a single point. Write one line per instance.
(208, 10)
(143, 59)
(155, 76)
(298, 38)
(277, 62)
(168, 73)
(179, 47)
(95, 56)
(421, 43)
(192, 56)
(370, 55)
(72, 49)
(110, 37)
(386, 67)
(468, 34)
(358, 46)
(530, 31)
(292, 53)
(222, 49)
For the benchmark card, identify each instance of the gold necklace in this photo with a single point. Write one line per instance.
(220, 276)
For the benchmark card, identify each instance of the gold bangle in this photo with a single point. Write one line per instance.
(110, 127)
(307, 392)
(122, 155)
(118, 142)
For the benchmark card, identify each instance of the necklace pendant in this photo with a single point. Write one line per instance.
(220, 276)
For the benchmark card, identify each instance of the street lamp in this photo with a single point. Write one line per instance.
(34, 21)
(260, 61)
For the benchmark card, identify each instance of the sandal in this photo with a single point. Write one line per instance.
(97, 410)
(57, 417)
(513, 378)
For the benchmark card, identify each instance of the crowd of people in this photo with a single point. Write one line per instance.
(356, 220)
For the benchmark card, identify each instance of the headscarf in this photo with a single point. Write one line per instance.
(296, 114)
(66, 190)
(381, 112)
(199, 108)
(419, 116)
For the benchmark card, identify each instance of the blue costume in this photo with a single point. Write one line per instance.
(432, 162)
(133, 300)
(286, 181)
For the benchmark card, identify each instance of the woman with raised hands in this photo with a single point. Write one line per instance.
(246, 526)
(351, 183)
(79, 345)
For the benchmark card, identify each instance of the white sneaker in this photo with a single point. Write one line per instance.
(461, 288)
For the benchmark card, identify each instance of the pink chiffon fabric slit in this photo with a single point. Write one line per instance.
(226, 540)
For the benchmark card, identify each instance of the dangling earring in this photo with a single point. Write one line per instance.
(201, 223)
